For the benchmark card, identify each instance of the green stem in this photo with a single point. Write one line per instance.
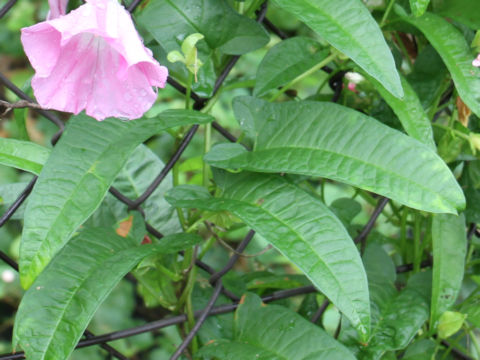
(387, 12)
(253, 7)
(208, 244)
(417, 243)
(240, 6)
(322, 190)
(189, 90)
(403, 234)
(206, 149)
(20, 121)
(176, 180)
(191, 322)
(303, 76)
(427, 240)
(211, 103)
(474, 341)
(455, 131)
(433, 110)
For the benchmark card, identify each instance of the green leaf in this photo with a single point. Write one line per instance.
(174, 56)
(449, 240)
(189, 45)
(463, 11)
(24, 155)
(224, 29)
(420, 350)
(56, 310)
(410, 112)
(76, 178)
(8, 194)
(346, 209)
(471, 308)
(300, 226)
(285, 61)
(349, 27)
(455, 52)
(302, 138)
(381, 278)
(450, 323)
(399, 318)
(419, 6)
(272, 332)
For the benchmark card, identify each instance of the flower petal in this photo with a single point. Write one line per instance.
(57, 8)
(41, 43)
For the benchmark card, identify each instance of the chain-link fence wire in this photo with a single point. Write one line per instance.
(335, 82)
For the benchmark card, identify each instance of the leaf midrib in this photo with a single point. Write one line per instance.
(62, 312)
(68, 200)
(16, 161)
(393, 174)
(327, 266)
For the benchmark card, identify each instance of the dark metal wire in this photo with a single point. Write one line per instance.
(160, 324)
(11, 86)
(134, 5)
(13, 264)
(269, 25)
(409, 267)
(361, 238)
(233, 259)
(201, 319)
(318, 314)
(153, 186)
(18, 202)
(7, 7)
(88, 334)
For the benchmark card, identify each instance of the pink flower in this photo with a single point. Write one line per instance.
(476, 62)
(92, 59)
(57, 8)
(352, 87)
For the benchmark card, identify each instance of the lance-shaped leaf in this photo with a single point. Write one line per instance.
(396, 317)
(455, 52)
(56, 310)
(271, 332)
(77, 176)
(285, 61)
(24, 155)
(300, 226)
(419, 6)
(349, 27)
(449, 240)
(332, 141)
(410, 112)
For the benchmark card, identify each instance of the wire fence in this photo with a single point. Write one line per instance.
(90, 339)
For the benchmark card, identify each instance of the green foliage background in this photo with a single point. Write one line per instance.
(307, 175)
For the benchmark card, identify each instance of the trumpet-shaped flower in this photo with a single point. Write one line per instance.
(92, 59)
